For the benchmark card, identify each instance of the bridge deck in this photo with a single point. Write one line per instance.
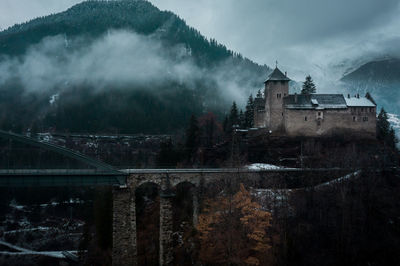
(60, 177)
(93, 177)
(227, 170)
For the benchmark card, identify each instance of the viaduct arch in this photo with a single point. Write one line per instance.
(124, 205)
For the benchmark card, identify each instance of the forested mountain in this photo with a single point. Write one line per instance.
(119, 66)
(380, 78)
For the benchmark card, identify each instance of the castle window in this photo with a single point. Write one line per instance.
(362, 109)
(354, 119)
(279, 95)
(305, 118)
(318, 123)
(365, 118)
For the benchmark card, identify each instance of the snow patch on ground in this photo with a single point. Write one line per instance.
(263, 166)
(339, 180)
(394, 120)
(14, 205)
(272, 200)
(40, 228)
(54, 98)
(24, 251)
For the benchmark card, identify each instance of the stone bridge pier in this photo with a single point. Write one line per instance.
(124, 205)
(124, 216)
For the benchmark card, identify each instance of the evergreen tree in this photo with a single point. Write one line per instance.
(225, 125)
(308, 86)
(168, 156)
(384, 131)
(242, 119)
(95, 19)
(192, 137)
(234, 115)
(392, 139)
(259, 94)
(382, 125)
(208, 128)
(249, 113)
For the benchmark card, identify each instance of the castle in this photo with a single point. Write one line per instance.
(312, 114)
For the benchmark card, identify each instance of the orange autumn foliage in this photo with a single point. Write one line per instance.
(234, 230)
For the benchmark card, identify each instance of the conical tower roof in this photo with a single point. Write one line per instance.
(277, 75)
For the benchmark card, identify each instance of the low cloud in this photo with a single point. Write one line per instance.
(317, 37)
(117, 59)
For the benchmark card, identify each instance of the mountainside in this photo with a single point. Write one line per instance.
(380, 78)
(119, 66)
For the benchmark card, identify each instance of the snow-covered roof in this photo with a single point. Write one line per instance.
(358, 102)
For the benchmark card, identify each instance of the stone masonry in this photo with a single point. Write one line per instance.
(312, 115)
(124, 227)
(124, 206)
(166, 230)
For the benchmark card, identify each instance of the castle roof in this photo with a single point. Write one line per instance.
(359, 102)
(277, 75)
(315, 101)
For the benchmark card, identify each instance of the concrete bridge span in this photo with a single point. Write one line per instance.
(124, 197)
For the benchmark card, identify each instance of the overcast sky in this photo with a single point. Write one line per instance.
(307, 36)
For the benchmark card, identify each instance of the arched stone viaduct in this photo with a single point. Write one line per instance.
(124, 206)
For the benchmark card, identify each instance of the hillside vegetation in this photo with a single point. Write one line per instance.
(120, 66)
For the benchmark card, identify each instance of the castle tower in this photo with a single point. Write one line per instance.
(276, 87)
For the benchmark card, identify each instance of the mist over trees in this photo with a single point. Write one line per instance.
(115, 55)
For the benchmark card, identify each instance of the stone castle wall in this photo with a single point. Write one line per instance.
(259, 118)
(314, 123)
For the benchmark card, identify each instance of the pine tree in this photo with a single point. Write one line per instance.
(242, 119)
(308, 86)
(209, 129)
(259, 94)
(392, 139)
(382, 125)
(234, 115)
(225, 125)
(384, 131)
(249, 113)
(192, 137)
(168, 155)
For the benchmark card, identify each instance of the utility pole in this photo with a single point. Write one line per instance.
(234, 163)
